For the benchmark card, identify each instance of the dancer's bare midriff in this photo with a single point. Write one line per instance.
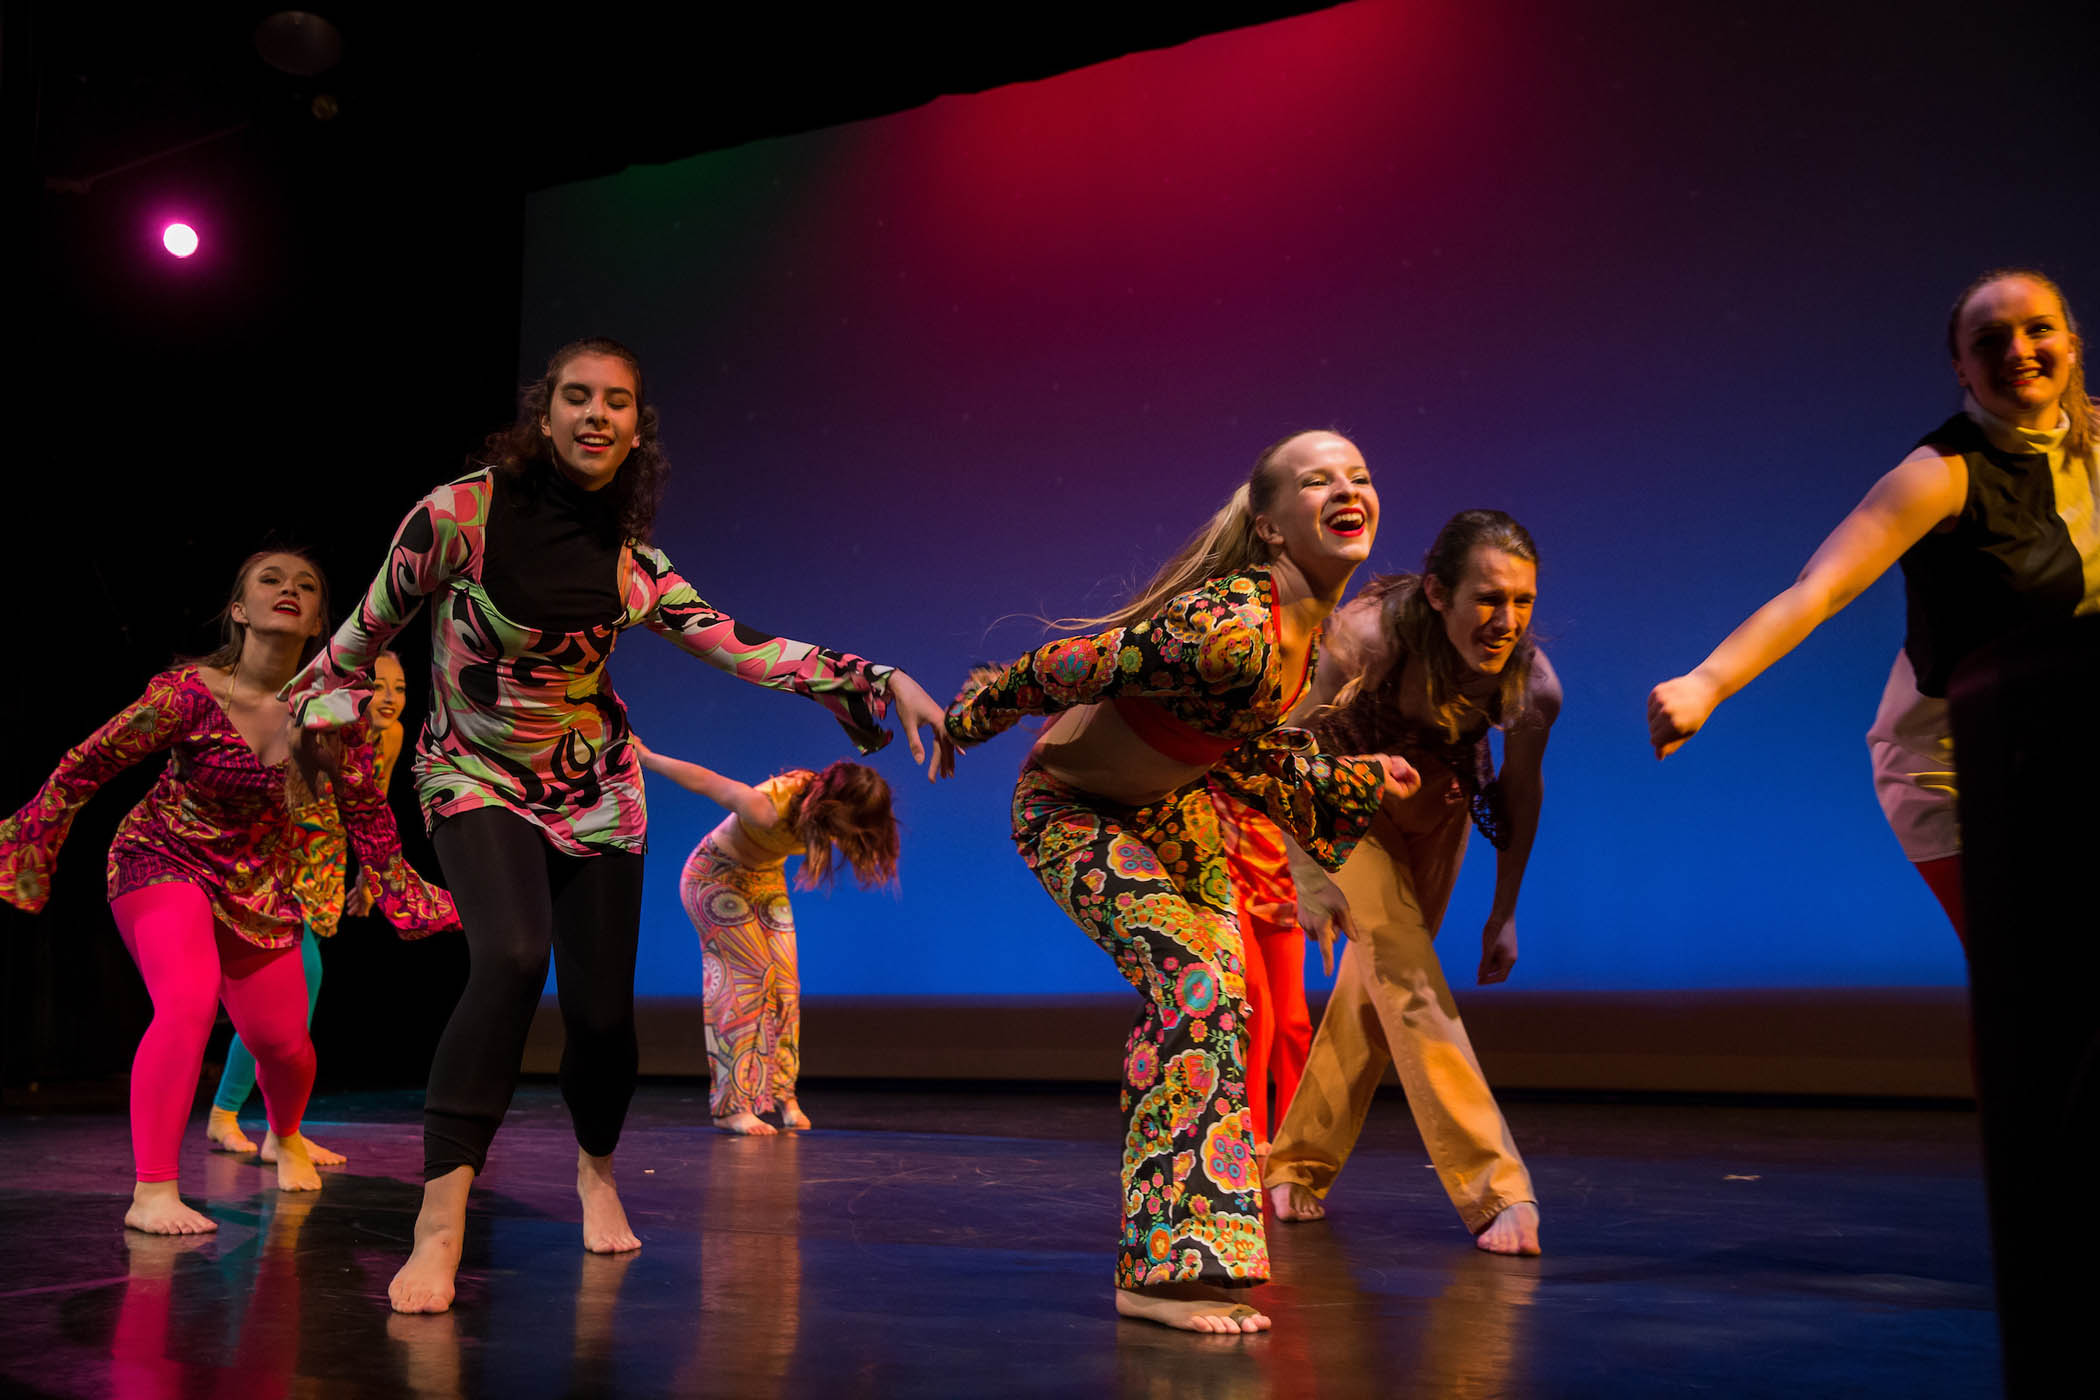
(1091, 748)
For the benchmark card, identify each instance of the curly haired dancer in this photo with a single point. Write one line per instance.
(537, 563)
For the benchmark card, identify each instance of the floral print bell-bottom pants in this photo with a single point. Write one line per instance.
(1149, 884)
(752, 991)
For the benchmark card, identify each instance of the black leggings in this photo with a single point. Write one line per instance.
(516, 896)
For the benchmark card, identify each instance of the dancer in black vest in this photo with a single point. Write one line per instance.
(1992, 517)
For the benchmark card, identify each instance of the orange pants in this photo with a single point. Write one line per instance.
(1272, 950)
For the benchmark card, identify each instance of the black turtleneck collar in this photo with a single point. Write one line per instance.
(553, 551)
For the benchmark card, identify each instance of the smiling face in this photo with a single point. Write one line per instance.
(1489, 610)
(591, 418)
(281, 596)
(2014, 350)
(389, 690)
(1324, 510)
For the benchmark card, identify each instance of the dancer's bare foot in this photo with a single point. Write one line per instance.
(157, 1209)
(604, 1218)
(746, 1122)
(1514, 1231)
(223, 1128)
(424, 1284)
(792, 1117)
(1290, 1201)
(295, 1165)
(322, 1157)
(1192, 1307)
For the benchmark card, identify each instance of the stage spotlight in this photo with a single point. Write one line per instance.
(179, 239)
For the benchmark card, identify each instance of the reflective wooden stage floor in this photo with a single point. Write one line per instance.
(944, 1242)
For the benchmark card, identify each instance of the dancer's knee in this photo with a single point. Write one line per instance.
(511, 966)
(281, 1046)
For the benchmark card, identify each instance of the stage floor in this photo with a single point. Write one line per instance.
(945, 1242)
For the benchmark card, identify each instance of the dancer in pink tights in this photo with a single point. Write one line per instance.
(202, 872)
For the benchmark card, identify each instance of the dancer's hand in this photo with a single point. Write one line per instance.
(1498, 948)
(321, 749)
(1676, 711)
(1401, 779)
(915, 707)
(359, 902)
(1323, 908)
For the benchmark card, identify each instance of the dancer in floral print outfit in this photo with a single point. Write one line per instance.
(1114, 815)
(210, 875)
(525, 771)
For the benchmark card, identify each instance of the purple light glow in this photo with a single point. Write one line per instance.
(179, 239)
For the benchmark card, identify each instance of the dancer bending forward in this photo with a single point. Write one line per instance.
(1992, 517)
(1423, 666)
(325, 853)
(1114, 815)
(207, 873)
(735, 892)
(525, 771)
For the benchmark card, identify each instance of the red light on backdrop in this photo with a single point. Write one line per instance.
(179, 239)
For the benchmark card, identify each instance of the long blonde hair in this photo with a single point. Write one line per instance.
(2077, 405)
(1226, 544)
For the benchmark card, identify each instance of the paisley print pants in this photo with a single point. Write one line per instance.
(1149, 885)
(753, 994)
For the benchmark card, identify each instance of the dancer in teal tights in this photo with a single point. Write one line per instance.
(321, 893)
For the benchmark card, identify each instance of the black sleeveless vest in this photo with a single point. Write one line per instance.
(2007, 564)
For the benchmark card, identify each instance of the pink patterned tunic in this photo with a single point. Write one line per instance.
(220, 820)
(526, 719)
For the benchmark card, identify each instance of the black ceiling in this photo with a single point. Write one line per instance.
(529, 96)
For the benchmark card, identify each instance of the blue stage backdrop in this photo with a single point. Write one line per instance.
(1666, 284)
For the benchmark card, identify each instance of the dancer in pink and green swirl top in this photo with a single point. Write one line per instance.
(526, 771)
(1180, 698)
(211, 875)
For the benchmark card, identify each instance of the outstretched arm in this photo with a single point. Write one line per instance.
(29, 840)
(1523, 783)
(435, 542)
(1925, 490)
(1208, 638)
(741, 798)
(857, 693)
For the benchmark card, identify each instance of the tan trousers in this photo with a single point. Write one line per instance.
(1390, 999)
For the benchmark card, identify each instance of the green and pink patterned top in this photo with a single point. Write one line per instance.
(527, 720)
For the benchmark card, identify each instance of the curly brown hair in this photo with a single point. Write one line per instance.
(845, 811)
(522, 449)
